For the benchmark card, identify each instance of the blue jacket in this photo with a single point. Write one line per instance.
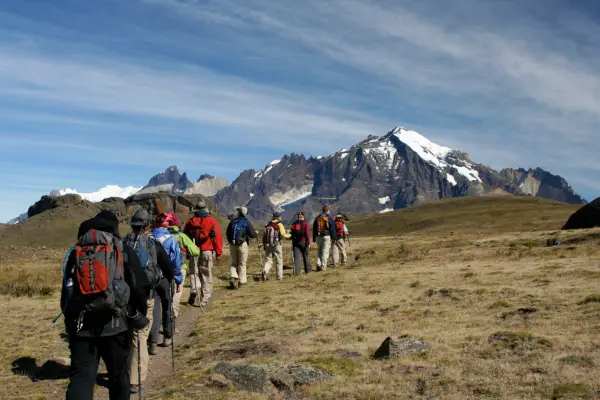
(172, 248)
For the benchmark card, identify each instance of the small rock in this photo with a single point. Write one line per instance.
(552, 242)
(253, 378)
(400, 347)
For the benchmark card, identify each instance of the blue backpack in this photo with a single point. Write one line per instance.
(236, 232)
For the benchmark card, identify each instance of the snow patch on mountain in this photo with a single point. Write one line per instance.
(281, 200)
(18, 219)
(271, 165)
(451, 179)
(434, 154)
(104, 193)
(166, 187)
(386, 210)
(383, 200)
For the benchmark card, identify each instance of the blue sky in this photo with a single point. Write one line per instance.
(114, 91)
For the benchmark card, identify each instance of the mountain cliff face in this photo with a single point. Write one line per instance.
(379, 174)
(541, 183)
(169, 181)
(207, 185)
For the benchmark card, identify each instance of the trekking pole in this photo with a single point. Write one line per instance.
(262, 263)
(194, 263)
(173, 324)
(139, 366)
(350, 247)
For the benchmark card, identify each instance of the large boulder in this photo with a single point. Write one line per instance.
(50, 202)
(156, 203)
(586, 217)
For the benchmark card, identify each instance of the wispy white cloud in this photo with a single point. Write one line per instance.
(200, 78)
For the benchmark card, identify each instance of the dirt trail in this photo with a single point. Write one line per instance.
(160, 364)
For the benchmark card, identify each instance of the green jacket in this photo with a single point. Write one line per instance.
(185, 244)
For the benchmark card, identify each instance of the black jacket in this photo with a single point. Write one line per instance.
(164, 262)
(134, 277)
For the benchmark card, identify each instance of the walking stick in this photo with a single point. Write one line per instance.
(173, 326)
(350, 247)
(194, 263)
(139, 366)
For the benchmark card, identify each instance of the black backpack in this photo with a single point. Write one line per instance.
(144, 246)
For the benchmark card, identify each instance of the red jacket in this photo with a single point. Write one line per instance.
(200, 228)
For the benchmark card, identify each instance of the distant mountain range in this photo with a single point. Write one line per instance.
(378, 174)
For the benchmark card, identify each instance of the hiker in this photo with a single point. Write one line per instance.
(274, 232)
(339, 246)
(239, 233)
(300, 233)
(163, 297)
(157, 265)
(205, 230)
(188, 251)
(95, 334)
(323, 234)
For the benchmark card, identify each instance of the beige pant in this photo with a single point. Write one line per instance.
(177, 296)
(339, 247)
(144, 357)
(277, 254)
(239, 257)
(201, 276)
(324, 243)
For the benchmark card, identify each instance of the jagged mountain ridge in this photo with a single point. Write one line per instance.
(379, 174)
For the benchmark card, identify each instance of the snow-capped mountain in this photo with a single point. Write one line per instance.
(171, 181)
(18, 219)
(104, 193)
(378, 174)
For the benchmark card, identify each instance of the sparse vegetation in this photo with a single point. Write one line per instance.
(394, 289)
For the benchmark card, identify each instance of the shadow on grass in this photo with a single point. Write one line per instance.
(51, 370)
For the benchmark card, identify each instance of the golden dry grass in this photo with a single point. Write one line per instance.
(461, 292)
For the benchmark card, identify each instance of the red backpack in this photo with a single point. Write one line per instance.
(99, 272)
(339, 227)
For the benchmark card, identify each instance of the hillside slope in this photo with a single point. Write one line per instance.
(468, 215)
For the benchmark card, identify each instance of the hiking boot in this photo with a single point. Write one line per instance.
(192, 299)
(134, 389)
(232, 284)
(264, 276)
(152, 349)
(240, 284)
(166, 342)
(204, 305)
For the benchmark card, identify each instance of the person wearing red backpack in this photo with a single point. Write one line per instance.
(323, 235)
(300, 232)
(205, 231)
(94, 332)
(274, 232)
(339, 246)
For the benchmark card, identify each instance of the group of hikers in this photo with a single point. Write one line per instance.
(119, 292)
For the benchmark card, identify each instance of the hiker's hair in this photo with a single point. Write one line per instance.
(160, 219)
(325, 208)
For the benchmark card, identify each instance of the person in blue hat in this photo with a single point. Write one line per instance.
(274, 232)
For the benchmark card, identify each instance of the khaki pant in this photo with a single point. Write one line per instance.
(339, 247)
(239, 257)
(201, 276)
(144, 357)
(177, 296)
(324, 243)
(276, 253)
